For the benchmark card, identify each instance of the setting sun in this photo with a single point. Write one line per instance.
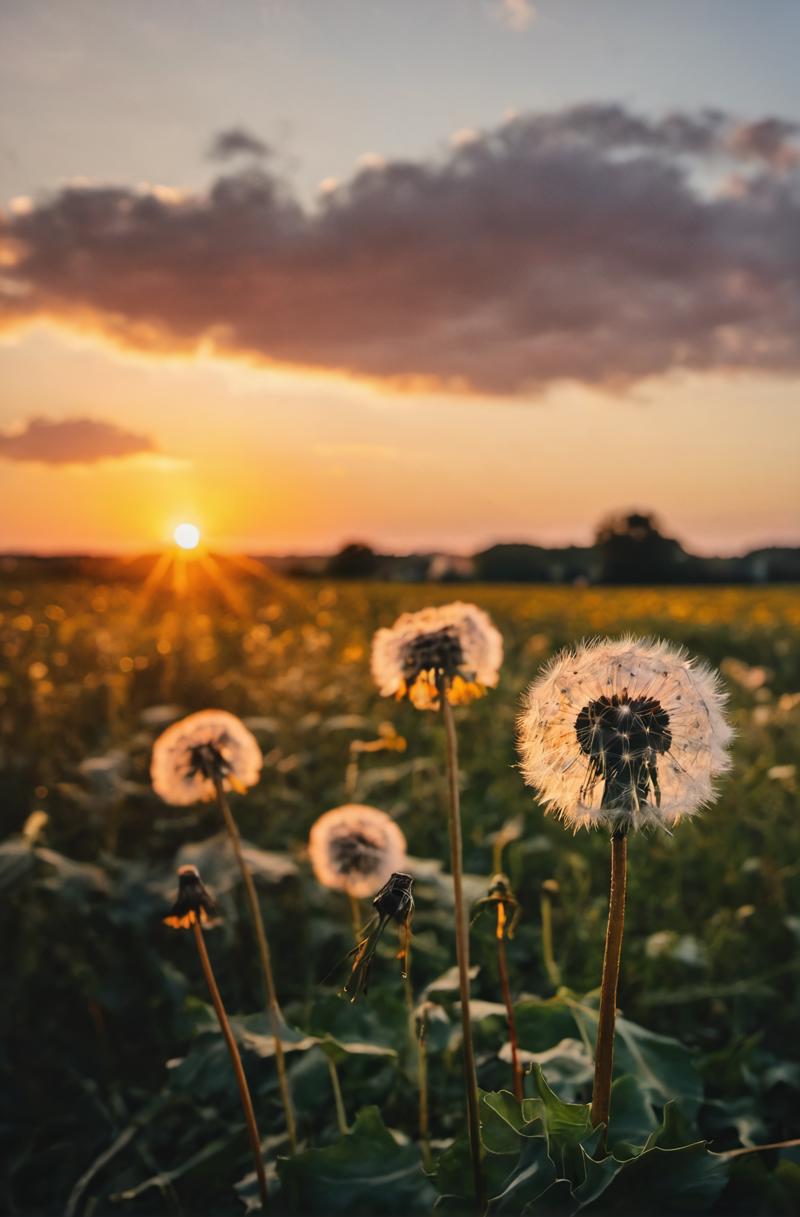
(187, 536)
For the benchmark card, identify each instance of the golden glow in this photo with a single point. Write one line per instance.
(318, 467)
(187, 536)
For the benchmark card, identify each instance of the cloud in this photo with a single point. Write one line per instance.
(770, 141)
(518, 15)
(590, 244)
(72, 441)
(236, 141)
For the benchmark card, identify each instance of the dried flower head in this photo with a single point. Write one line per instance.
(394, 902)
(355, 849)
(191, 753)
(452, 646)
(625, 732)
(193, 902)
(501, 900)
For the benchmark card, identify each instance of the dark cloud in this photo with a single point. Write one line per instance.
(236, 142)
(590, 244)
(71, 441)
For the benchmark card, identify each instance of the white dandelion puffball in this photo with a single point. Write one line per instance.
(455, 641)
(189, 753)
(355, 849)
(626, 732)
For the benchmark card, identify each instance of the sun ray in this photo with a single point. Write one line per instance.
(235, 601)
(266, 574)
(157, 575)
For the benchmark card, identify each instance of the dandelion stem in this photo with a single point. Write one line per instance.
(604, 1049)
(462, 952)
(355, 915)
(755, 1149)
(236, 1060)
(422, 1083)
(273, 1008)
(548, 955)
(341, 1114)
(516, 1068)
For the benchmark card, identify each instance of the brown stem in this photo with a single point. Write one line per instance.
(236, 1060)
(516, 1068)
(462, 952)
(604, 1050)
(273, 1008)
(755, 1149)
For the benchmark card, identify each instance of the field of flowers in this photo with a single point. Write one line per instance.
(117, 1091)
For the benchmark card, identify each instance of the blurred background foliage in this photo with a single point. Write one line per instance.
(116, 1091)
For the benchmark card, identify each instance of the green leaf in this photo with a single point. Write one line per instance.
(673, 1132)
(568, 1125)
(16, 862)
(346, 1177)
(504, 1120)
(598, 1177)
(453, 1179)
(206, 1067)
(447, 982)
(75, 882)
(532, 1176)
(339, 1050)
(684, 1180)
(669, 1175)
(632, 1117)
(541, 1024)
(662, 1066)
(207, 1162)
(568, 1066)
(216, 861)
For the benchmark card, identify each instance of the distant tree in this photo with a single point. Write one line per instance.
(356, 560)
(633, 549)
(521, 563)
(512, 563)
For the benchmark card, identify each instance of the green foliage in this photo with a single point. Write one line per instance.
(116, 1090)
(348, 1176)
(561, 1165)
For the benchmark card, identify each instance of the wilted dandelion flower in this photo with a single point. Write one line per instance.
(192, 752)
(501, 899)
(355, 849)
(394, 902)
(626, 732)
(193, 902)
(452, 646)
(192, 909)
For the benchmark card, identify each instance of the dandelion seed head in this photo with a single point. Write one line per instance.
(452, 644)
(624, 732)
(188, 755)
(355, 849)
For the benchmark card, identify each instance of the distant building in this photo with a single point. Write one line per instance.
(450, 568)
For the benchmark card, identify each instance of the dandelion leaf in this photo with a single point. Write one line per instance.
(346, 1177)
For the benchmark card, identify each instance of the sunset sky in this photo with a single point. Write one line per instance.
(430, 274)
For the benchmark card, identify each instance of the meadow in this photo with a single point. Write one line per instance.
(117, 1097)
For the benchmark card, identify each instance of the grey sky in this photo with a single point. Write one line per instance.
(128, 92)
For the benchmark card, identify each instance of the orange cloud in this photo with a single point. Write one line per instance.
(72, 441)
